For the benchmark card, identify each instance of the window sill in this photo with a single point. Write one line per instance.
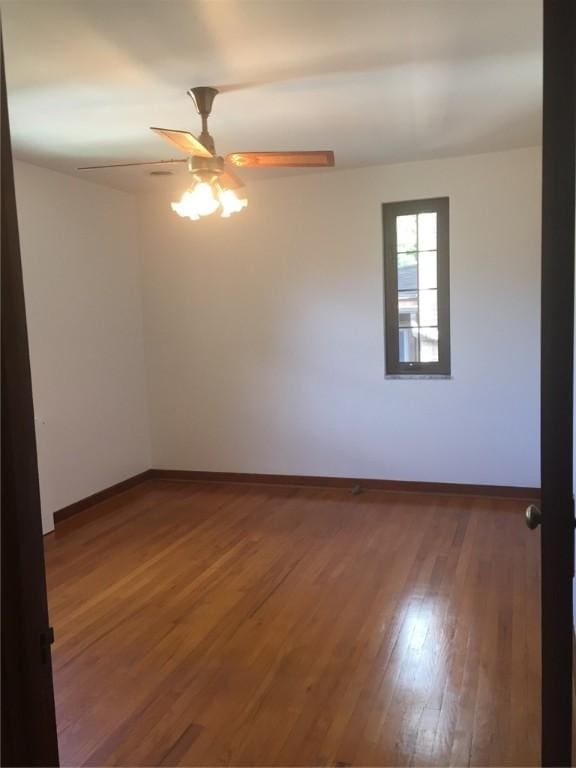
(418, 376)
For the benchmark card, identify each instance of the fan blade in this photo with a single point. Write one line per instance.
(184, 141)
(131, 165)
(319, 158)
(230, 180)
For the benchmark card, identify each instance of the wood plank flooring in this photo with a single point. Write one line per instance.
(208, 624)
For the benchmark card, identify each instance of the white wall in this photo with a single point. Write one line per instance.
(83, 300)
(264, 332)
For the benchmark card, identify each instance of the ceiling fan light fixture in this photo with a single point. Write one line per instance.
(231, 203)
(205, 197)
(197, 201)
(215, 184)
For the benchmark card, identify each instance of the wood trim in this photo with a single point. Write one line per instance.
(107, 493)
(403, 486)
(399, 486)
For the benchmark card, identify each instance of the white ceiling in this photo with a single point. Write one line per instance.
(377, 81)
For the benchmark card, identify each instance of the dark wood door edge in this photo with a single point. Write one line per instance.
(28, 720)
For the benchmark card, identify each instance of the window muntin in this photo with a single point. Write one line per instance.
(417, 287)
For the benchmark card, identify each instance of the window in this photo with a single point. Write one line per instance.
(417, 287)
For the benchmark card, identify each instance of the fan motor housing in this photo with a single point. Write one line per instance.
(214, 164)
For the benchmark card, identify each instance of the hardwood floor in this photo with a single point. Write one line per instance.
(208, 624)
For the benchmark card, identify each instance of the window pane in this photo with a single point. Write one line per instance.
(416, 280)
(406, 233)
(408, 345)
(426, 231)
(429, 345)
(427, 269)
(407, 308)
(407, 271)
(428, 301)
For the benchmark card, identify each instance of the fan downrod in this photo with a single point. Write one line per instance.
(203, 97)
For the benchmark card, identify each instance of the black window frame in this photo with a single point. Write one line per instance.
(390, 211)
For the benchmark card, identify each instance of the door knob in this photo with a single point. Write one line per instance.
(533, 516)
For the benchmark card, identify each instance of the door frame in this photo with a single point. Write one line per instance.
(29, 728)
(557, 370)
(29, 736)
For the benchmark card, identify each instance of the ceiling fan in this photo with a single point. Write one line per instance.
(215, 186)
